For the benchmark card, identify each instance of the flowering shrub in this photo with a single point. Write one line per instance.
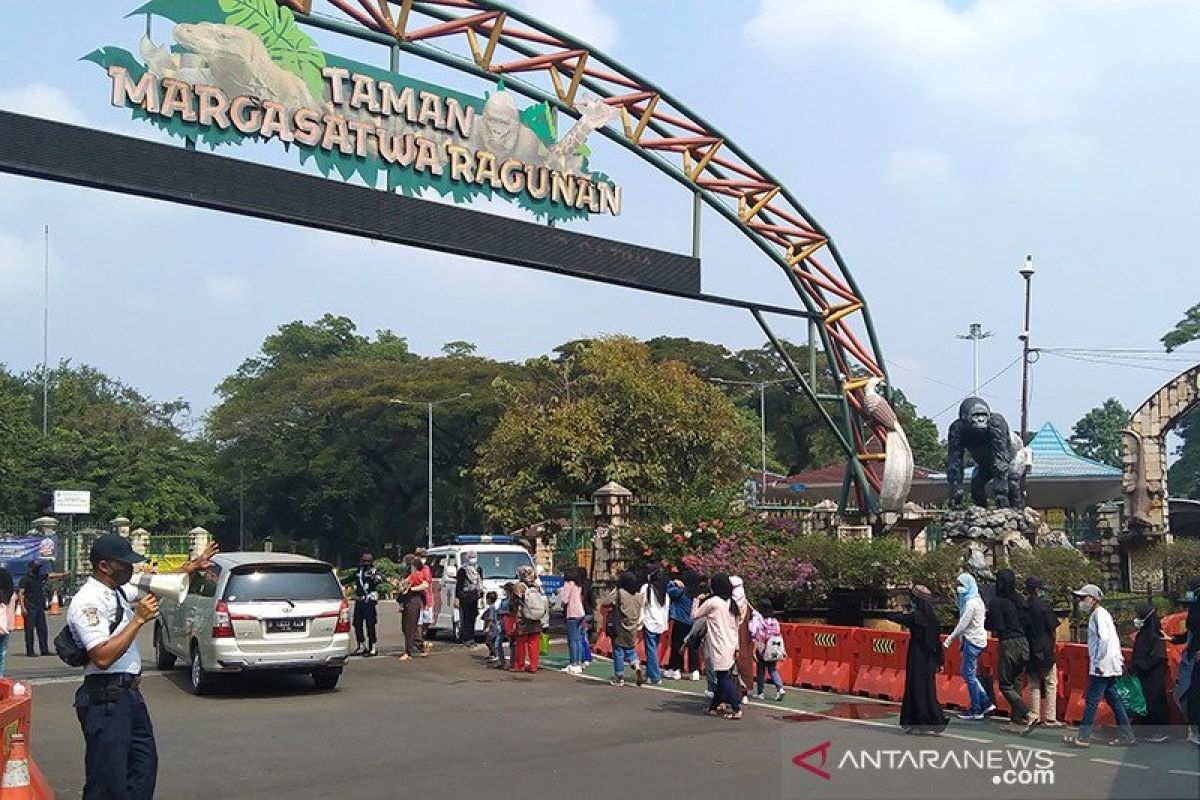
(769, 570)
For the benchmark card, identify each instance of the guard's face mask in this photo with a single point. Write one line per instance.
(1138, 623)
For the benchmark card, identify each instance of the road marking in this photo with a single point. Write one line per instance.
(1112, 763)
(1184, 772)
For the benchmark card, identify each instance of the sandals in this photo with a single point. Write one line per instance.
(733, 715)
(1075, 741)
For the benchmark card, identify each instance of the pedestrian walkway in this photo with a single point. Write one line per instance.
(807, 705)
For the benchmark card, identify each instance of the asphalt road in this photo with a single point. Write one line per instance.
(446, 726)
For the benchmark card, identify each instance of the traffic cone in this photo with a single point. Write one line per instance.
(55, 605)
(16, 784)
(18, 619)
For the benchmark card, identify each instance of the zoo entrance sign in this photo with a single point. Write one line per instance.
(243, 70)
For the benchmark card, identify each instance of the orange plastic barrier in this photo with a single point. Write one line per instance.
(1077, 698)
(824, 655)
(603, 645)
(879, 663)
(951, 688)
(15, 705)
(664, 645)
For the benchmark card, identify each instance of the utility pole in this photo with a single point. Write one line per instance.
(46, 341)
(429, 404)
(976, 334)
(762, 418)
(1027, 273)
(241, 506)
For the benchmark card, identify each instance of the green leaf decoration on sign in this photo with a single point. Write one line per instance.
(541, 120)
(290, 47)
(183, 11)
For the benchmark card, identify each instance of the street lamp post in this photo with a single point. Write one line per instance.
(241, 506)
(762, 417)
(429, 404)
(1026, 273)
(974, 336)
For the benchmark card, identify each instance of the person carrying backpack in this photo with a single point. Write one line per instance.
(530, 607)
(468, 589)
(624, 605)
(769, 649)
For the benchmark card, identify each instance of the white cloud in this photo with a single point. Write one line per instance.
(41, 100)
(228, 289)
(21, 268)
(918, 169)
(579, 18)
(1027, 61)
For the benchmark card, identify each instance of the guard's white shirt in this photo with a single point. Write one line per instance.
(90, 615)
(1104, 645)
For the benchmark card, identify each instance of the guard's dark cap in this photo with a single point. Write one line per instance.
(1034, 582)
(114, 547)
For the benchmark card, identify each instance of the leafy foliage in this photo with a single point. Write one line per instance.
(1179, 561)
(1062, 570)
(1186, 330)
(289, 47)
(608, 412)
(1098, 434)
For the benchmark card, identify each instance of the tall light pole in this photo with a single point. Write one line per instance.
(762, 417)
(429, 404)
(46, 340)
(1026, 273)
(241, 506)
(974, 336)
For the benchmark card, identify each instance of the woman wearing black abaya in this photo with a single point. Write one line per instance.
(920, 712)
(1149, 664)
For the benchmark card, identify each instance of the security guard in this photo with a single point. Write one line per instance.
(105, 617)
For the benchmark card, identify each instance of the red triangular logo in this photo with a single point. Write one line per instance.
(802, 760)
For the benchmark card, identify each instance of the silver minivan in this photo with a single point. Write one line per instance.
(257, 611)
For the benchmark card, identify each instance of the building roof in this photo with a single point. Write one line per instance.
(1054, 458)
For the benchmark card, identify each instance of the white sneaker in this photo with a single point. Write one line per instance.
(696, 675)
(708, 694)
(780, 694)
(758, 696)
(671, 675)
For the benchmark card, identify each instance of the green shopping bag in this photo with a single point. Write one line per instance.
(544, 649)
(1129, 689)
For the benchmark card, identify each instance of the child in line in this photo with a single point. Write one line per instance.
(508, 624)
(768, 646)
(493, 631)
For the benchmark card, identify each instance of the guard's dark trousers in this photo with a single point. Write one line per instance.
(121, 759)
(366, 613)
(35, 620)
(468, 610)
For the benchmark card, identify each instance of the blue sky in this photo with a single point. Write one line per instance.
(938, 142)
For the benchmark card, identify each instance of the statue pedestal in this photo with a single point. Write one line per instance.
(993, 532)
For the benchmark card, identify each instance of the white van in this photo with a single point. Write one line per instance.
(499, 560)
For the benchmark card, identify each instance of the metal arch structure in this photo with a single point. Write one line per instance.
(491, 40)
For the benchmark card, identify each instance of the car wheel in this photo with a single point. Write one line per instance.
(163, 658)
(201, 681)
(327, 679)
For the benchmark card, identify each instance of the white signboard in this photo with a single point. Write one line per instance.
(71, 502)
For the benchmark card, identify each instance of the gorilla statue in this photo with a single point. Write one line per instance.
(986, 436)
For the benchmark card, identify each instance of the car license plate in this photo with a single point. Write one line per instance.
(285, 625)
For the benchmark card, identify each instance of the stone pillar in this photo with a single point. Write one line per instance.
(201, 539)
(45, 526)
(268, 544)
(119, 525)
(610, 516)
(139, 540)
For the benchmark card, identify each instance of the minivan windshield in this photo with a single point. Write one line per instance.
(502, 565)
(295, 582)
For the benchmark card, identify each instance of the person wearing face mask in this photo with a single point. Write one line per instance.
(971, 614)
(1187, 690)
(121, 758)
(1149, 664)
(366, 580)
(468, 591)
(1105, 664)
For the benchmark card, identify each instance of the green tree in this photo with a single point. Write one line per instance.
(1186, 330)
(327, 462)
(606, 411)
(1098, 434)
(1183, 477)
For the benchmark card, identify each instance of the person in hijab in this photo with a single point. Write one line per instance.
(720, 613)
(682, 592)
(624, 605)
(745, 652)
(1006, 618)
(973, 636)
(920, 711)
(1149, 664)
(1187, 693)
(656, 611)
(468, 591)
(528, 631)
